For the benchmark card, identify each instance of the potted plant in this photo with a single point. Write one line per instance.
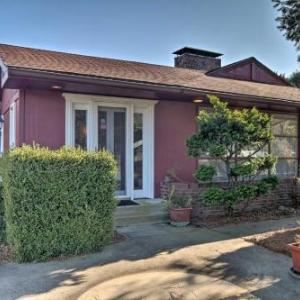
(180, 209)
(294, 249)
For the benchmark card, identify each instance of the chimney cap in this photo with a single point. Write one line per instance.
(196, 51)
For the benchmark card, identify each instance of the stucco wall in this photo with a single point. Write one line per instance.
(174, 123)
(44, 118)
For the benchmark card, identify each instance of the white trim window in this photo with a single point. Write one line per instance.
(12, 125)
(123, 126)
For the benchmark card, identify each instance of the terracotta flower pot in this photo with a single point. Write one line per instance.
(295, 251)
(180, 216)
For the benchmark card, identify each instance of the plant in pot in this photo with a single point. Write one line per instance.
(294, 249)
(180, 209)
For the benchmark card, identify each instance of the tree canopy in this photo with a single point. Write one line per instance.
(289, 19)
(294, 79)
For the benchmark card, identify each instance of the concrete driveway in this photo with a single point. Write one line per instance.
(163, 262)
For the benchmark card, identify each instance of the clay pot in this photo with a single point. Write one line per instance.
(295, 251)
(180, 216)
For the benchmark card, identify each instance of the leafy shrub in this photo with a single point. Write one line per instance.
(235, 138)
(2, 222)
(205, 173)
(231, 196)
(213, 195)
(58, 202)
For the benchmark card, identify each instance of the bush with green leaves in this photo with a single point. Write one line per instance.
(205, 173)
(2, 222)
(236, 138)
(58, 202)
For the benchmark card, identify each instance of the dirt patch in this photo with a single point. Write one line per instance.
(275, 240)
(254, 216)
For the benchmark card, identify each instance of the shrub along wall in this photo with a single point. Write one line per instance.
(284, 194)
(58, 202)
(2, 223)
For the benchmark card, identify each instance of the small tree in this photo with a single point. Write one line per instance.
(227, 135)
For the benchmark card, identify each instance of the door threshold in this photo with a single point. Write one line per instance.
(127, 202)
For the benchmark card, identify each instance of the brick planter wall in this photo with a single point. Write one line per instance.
(287, 194)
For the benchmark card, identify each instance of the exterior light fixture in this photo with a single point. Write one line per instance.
(198, 100)
(56, 87)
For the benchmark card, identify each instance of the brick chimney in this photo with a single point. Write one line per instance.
(197, 59)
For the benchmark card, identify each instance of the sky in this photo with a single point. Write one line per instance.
(150, 30)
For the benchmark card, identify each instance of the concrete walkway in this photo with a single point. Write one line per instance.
(163, 262)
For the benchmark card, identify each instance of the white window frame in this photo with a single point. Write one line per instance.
(91, 104)
(12, 125)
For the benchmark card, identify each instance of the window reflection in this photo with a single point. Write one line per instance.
(138, 151)
(80, 128)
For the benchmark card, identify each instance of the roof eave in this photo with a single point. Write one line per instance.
(16, 72)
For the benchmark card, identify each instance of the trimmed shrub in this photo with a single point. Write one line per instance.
(58, 202)
(2, 222)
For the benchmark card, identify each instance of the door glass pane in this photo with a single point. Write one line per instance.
(112, 137)
(138, 151)
(102, 130)
(119, 150)
(80, 128)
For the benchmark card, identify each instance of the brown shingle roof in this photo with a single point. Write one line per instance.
(44, 60)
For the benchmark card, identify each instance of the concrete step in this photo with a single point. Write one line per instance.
(147, 212)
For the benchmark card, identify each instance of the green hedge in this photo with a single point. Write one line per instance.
(58, 202)
(2, 222)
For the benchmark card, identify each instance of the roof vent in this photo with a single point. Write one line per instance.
(198, 59)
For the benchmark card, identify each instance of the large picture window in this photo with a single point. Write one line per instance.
(284, 146)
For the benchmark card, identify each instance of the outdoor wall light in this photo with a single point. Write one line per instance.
(198, 100)
(56, 87)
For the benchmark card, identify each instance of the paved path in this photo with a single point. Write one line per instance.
(163, 262)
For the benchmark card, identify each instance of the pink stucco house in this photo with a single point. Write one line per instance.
(143, 113)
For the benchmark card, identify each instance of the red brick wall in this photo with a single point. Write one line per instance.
(285, 194)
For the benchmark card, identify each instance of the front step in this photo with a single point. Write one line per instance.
(147, 212)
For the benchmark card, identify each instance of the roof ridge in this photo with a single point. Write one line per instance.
(87, 56)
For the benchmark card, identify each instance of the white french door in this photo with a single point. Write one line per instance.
(112, 137)
(142, 152)
(125, 127)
